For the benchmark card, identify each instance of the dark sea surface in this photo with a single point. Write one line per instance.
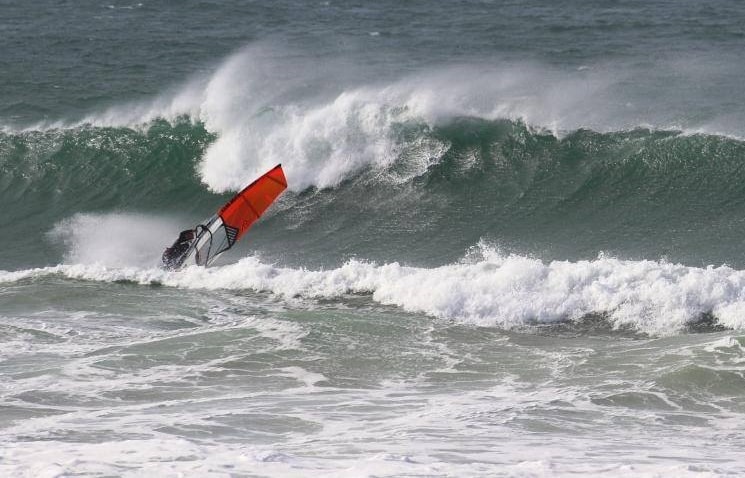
(511, 243)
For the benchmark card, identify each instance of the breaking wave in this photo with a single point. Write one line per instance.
(543, 162)
(637, 194)
(487, 288)
(328, 122)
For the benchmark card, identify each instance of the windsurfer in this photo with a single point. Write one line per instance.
(201, 245)
(172, 255)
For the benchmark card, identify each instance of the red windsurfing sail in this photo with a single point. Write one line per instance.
(249, 204)
(220, 232)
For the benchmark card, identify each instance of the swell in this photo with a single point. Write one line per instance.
(640, 193)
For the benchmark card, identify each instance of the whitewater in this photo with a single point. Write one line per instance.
(511, 243)
(507, 292)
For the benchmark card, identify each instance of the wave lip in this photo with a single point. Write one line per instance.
(654, 297)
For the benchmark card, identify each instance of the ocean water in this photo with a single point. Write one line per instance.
(512, 242)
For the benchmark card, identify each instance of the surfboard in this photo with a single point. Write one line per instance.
(221, 231)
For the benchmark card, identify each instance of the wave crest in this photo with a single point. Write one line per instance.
(326, 122)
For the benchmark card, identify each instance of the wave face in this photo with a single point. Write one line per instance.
(436, 191)
(51, 175)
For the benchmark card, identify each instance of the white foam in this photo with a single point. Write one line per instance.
(174, 457)
(497, 290)
(307, 378)
(464, 434)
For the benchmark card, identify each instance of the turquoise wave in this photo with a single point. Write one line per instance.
(639, 193)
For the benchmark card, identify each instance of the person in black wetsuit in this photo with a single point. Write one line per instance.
(173, 255)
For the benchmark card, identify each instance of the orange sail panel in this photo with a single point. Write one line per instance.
(249, 204)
